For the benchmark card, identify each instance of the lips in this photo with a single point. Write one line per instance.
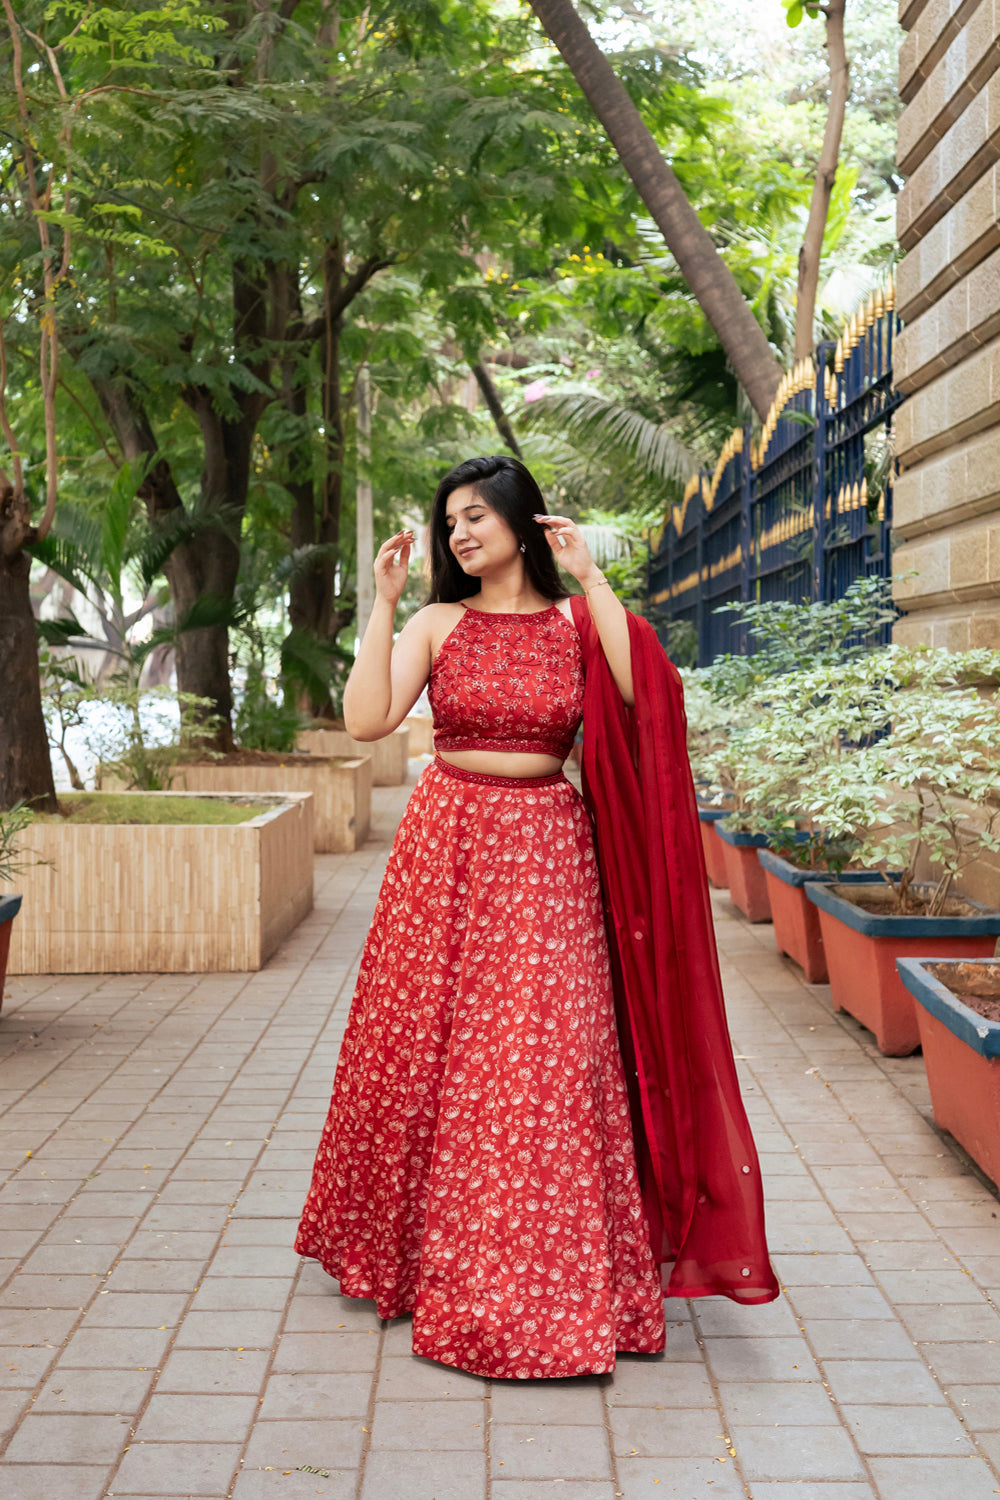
(467, 551)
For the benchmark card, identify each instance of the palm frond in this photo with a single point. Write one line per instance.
(607, 429)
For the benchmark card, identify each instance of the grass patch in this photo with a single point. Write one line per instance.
(153, 808)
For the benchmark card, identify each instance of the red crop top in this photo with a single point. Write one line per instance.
(508, 682)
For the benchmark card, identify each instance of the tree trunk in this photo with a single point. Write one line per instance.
(491, 396)
(706, 273)
(811, 251)
(365, 541)
(25, 763)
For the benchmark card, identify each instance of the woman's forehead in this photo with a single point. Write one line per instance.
(464, 498)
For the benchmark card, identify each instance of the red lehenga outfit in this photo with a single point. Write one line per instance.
(485, 1164)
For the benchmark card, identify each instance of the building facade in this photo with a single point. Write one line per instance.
(946, 512)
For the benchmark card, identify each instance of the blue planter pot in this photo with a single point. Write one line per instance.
(737, 840)
(962, 1057)
(789, 874)
(871, 924)
(711, 814)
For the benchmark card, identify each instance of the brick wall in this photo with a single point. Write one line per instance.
(946, 506)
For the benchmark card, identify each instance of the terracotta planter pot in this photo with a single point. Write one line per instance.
(9, 908)
(715, 856)
(744, 873)
(861, 953)
(962, 1057)
(796, 920)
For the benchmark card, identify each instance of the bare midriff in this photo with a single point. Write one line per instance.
(502, 762)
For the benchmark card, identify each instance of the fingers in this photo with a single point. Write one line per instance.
(558, 529)
(401, 542)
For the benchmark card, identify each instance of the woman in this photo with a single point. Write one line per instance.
(478, 1166)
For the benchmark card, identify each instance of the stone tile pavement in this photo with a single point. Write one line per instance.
(160, 1338)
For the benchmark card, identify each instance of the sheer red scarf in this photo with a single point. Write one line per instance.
(697, 1162)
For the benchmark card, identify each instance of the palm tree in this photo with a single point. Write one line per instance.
(700, 263)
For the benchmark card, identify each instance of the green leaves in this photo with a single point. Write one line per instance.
(796, 9)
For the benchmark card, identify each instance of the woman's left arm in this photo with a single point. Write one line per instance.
(606, 609)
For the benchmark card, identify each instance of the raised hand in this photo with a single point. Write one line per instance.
(571, 551)
(391, 566)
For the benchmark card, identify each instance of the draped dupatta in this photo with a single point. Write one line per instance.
(697, 1162)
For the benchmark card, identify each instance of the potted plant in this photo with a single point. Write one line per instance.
(779, 709)
(12, 824)
(958, 1013)
(808, 719)
(918, 798)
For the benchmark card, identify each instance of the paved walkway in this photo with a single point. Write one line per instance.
(160, 1338)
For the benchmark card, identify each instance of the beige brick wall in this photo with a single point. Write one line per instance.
(946, 513)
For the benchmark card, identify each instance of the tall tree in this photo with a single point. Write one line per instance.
(811, 249)
(691, 245)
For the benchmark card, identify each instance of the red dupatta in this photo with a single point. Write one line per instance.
(697, 1163)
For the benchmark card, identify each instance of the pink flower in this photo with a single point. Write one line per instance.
(536, 390)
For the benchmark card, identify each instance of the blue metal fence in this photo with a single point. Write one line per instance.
(803, 511)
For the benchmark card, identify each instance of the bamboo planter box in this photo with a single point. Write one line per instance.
(421, 727)
(744, 874)
(861, 952)
(389, 756)
(712, 846)
(962, 1057)
(9, 908)
(341, 791)
(796, 919)
(163, 898)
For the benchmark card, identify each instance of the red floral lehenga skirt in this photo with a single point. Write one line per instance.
(476, 1167)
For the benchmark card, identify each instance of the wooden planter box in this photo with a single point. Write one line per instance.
(9, 908)
(712, 846)
(341, 791)
(962, 1057)
(421, 727)
(861, 952)
(796, 919)
(744, 875)
(389, 757)
(163, 898)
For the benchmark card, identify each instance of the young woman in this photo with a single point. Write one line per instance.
(488, 1164)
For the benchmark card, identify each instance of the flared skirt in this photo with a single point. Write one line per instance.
(477, 1167)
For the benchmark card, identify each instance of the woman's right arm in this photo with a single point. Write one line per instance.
(386, 681)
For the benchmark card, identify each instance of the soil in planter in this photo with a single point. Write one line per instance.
(133, 808)
(885, 905)
(977, 985)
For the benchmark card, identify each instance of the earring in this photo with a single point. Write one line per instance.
(522, 546)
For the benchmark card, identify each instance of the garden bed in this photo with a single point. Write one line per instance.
(341, 789)
(163, 897)
(389, 756)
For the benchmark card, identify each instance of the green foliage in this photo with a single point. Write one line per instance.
(120, 808)
(263, 720)
(796, 9)
(786, 637)
(13, 822)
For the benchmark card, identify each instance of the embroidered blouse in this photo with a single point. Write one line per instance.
(508, 682)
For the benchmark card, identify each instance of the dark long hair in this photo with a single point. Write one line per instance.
(508, 488)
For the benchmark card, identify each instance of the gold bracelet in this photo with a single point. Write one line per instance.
(594, 586)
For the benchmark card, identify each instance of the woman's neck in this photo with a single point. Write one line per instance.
(510, 594)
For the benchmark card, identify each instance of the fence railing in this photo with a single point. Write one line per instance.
(799, 513)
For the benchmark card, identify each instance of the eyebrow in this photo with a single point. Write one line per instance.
(473, 505)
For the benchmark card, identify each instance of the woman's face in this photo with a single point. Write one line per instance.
(477, 535)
